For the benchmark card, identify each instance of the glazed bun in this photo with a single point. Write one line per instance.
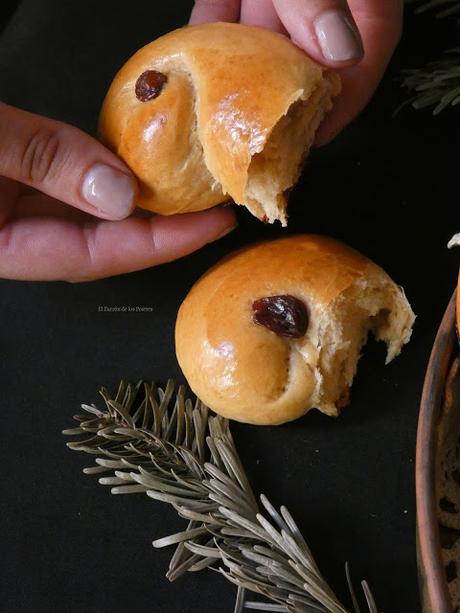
(215, 112)
(276, 329)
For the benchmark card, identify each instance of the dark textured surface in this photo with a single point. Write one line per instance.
(387, 187)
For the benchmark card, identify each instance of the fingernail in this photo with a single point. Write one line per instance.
(227, 230)
(338, 37)
(110, 191)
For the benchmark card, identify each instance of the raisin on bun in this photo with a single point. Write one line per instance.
(215, 112)
(276, 329)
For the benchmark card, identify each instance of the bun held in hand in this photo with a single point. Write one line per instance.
(215, 112)
(277, 329)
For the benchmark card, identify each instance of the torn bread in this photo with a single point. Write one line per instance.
(231, 115)
(252, 359)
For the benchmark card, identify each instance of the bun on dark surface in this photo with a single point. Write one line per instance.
(217, 112)
(277, 329)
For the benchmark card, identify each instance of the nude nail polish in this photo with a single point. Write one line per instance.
(110, 191)
(338, 37)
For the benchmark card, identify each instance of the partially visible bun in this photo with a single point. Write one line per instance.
(248, 372)
(234, 118)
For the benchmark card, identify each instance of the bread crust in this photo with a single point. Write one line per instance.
(237, 367)
(243, 370)
(228, 86)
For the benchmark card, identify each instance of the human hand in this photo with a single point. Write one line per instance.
(355, 38)
(45, 166)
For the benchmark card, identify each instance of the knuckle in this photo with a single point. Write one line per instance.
(40, 156)
(89, 236)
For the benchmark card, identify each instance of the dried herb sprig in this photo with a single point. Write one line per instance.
(157, 442)
(438, 83)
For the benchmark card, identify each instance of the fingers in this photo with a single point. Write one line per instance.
(324, 29)
(206, 11)
(36, 204)
(357, 38)
(261, 13)
(380, 24)
(48, 249)
(65, 163)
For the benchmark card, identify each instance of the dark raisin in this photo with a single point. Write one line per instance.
(284, 315)
(149, 85)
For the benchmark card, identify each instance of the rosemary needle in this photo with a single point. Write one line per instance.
(437, 84)
(155, 441)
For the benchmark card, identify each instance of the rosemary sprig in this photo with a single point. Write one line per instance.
(438, 83)
(157, 442)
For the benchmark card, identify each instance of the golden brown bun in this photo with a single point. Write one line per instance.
(247, 372)
(234, 120)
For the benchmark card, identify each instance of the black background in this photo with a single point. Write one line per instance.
(387, 186)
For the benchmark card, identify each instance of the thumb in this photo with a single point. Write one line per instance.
(65, 163)
(324, 29)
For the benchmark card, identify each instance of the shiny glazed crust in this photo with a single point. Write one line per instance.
(247, 372)
(228, 87)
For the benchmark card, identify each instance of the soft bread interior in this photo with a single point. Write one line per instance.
(277, 167)
(342, 330)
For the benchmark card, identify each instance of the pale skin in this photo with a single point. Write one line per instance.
(59, 222)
